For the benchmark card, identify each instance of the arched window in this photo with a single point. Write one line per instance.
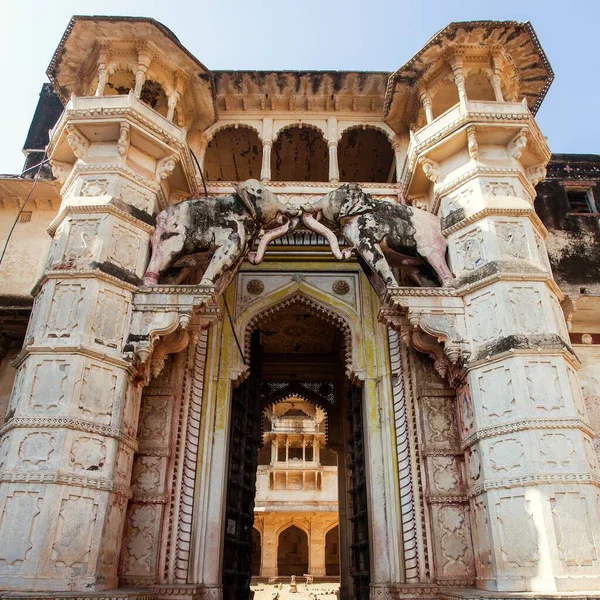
(445, 97)
(300, 154)
(292, 552)
(479, 87)
(155, 97)
(233, 155)
(120, 83)
(256, 552)
(366, 155)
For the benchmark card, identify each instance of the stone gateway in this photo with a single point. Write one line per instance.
(352, 351)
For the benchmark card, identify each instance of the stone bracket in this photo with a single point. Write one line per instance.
(433, 321)
(162, 314)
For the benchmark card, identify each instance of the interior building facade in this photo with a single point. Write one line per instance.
(420, 423)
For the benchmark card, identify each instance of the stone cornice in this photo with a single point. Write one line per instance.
(499, 212)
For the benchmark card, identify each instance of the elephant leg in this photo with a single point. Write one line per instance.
(164, 251)
(370, 251)
(438, 263)
(224, 257)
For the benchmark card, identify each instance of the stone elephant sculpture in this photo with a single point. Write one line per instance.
(381, 233)
(227, 225)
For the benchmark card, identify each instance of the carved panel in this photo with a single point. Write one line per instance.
(513, 239)
(139, 552)
(518, 537)
(36, 448)
(83, 234)
(94, 187)
(483, 311)
(98, 390)
(456, 201)
(111, 310)
(470, 250)
(88, 453)
(496, 391)
(465, 404)
(112, 535)
(473, 464)
(18, 521)
(506, 455)
(445, 473)
(439, 422)
(481, 536)
(73, 539)
(4, 448)
(527, 310)
(49, 384)
(65, 310)
(154, 420)
(125, 248)
(454, 541)
(556, 449)
(500, 188)
(147, 476)
(137, 197)
(543, 385)
(576, 544)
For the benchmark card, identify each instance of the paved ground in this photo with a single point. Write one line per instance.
(281, 591)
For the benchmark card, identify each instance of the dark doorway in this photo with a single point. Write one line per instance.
(292, 552)
(297, 351)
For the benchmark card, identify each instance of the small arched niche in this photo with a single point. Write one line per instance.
(445, 98)
(366, 155)
(479, 87)
(233, 154)
(300, 154)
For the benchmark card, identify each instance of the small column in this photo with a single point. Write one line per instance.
(427, 103)
(267, 139)
(144, 60)
(102, 72)
(399, 155)
(172, 105)
(496, 79)
(274, 449)
(456, 63)
(332, 143)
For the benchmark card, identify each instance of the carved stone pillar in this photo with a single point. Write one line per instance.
(531, 470)
(144, 60)
(73, 417)
(334, 170)
(265, 171)
(426, 102)
(317, 548)
(456, 63)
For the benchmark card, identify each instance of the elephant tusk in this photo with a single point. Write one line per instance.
(256, 257)
(319, 228)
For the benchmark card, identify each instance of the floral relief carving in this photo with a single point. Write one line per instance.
(527, 310)
(496, 390)
(136, 197)
(439, 419)
(453, 541)
(481, 535)
(65, 310)
(474, 464)
(556, 449)
(513, 239)
(153, 419)
(518, 539)
(147, 474)
(573, 527)
(111, 310)
(125, 248)
(49, 378)
(18, 520)
(500, 188)
(506, 455)
(466, 407)
(98, 391)
(445, 475)
(73, 539)
(95, 187)
(36, 448)
(484, 320)
(88, 453)
(543, 385)
(139, 550)
(457, 201)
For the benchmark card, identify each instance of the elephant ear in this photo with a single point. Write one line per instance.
(243, 195)
(362, 203)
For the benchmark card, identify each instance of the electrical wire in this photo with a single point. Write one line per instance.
(35, 180)
(233, 331)
(201, 173)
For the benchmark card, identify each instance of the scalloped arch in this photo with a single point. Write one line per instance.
(387, 131)
(210, 133)
(279, 129)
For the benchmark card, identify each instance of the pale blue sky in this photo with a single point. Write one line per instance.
(370, 35)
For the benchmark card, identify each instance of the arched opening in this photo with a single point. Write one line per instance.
(366, 155)
(295, 421)
(300, 154)
(233, 154)
(256, 552)
(120, 83)
(292, 552)
(155, 97)
(332, 552)
(479, 87)
(445, 98)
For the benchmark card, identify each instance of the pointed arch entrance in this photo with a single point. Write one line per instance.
(297, 348)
